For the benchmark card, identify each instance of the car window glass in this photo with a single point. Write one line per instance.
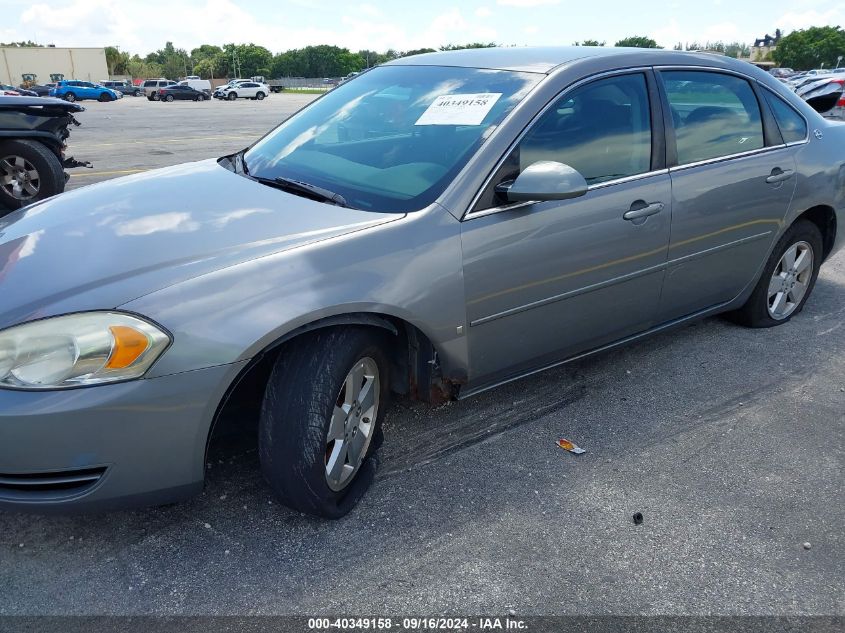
(602, 129)
(714, 115)
(792, 125)
(393, 139)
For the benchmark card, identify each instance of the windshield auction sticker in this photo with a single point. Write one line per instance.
(459, 109)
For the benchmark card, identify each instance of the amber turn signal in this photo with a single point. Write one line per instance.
(129, 344)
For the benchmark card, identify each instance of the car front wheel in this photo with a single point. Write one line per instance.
(232, 96)
(29, 172)
(104, 97)
(788, 278)
(321, 419)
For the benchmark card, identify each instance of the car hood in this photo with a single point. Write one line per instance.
(101, 246)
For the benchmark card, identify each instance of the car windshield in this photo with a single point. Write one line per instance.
(392, 138)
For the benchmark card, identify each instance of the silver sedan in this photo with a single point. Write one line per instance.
(432, 228)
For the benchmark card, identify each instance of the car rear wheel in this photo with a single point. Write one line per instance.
(788, 278)
(29, 172)
(321, 419)
(156, 97)
(169, 98)
(260, 96)
(69, 96)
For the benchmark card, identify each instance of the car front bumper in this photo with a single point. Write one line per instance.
(130, 444)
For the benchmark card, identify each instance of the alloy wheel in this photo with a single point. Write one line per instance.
(352, 423)
(790, 280)
(19, 178)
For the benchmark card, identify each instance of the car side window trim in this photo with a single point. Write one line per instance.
(765, 114)
(658, 147)
(806, 138)
(771, 131)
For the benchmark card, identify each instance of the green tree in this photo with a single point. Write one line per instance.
(810, 48)
(459, 47)
(417, 51)
(22, 44)
(637, 41)
(318, 61)
(589, 43)
(210, 61)
(174, 62)
(142, 69)
(245, 60)
(116, 61)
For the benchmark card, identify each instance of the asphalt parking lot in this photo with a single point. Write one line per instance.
(729, 441)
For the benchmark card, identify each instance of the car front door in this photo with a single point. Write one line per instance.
(548, 280)
(732, 183)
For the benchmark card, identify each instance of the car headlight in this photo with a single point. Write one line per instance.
(77, 350)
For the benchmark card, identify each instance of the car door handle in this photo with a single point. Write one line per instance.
(641, 210)
(779, 175)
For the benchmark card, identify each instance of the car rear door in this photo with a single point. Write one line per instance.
(548, 280)
(732, 182)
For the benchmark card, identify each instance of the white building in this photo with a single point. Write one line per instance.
(87, 64)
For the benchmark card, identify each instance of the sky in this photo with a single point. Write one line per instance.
(141, 27)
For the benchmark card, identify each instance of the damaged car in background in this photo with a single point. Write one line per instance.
(825, 93)
(33, 140)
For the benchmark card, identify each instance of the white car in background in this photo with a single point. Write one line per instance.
(244, 90)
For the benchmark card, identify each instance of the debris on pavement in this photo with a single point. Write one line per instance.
(638, 518)
(570, 446)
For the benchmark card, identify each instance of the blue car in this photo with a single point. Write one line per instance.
(75, 90)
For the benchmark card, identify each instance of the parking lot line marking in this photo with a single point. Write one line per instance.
(108, 173)
(165, 140)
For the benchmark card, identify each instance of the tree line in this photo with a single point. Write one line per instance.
(805, 49)
(247, 60)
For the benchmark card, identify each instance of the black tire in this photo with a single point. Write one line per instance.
(51, 175)
(260, 96)
(104, 97)
(156, 97)
(232, 96)
(304, 388)
(137, 93)
(200, 98)
(755, 312)
(69, 96)
(169, 98)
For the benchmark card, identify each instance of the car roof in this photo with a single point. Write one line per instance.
(546, 58)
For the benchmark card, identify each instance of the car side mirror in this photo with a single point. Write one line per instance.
(544, 180)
